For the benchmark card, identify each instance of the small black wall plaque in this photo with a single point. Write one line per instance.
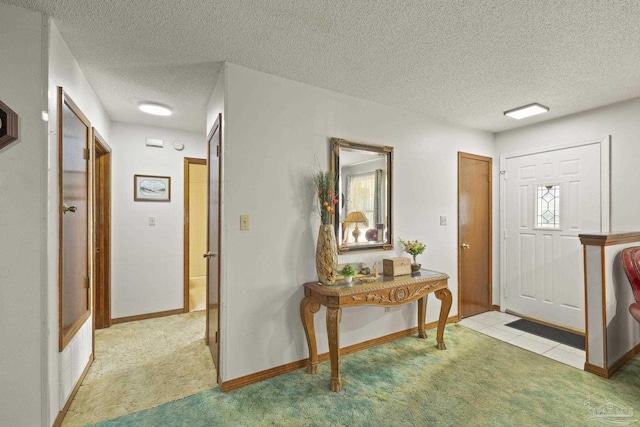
(8, 125)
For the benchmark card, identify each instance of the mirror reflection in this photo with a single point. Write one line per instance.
(364, 176)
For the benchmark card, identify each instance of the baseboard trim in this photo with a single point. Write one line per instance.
(596, 370)
(299, 364)
(63, 411)
(495, 308)
(615, 367)
(146, 316)
(624, 359)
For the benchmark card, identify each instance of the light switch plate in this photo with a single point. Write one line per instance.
(443, 220)
(244, 222)
(152, 221)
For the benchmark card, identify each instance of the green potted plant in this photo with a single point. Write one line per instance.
(348, 272)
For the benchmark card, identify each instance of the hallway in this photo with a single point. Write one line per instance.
(142, 364)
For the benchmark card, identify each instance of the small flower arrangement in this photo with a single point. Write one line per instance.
(325, 186)
(413, 248)
(348, 271)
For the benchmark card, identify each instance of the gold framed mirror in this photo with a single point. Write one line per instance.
(364, 177)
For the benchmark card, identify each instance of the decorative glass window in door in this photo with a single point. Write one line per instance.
(548, 206)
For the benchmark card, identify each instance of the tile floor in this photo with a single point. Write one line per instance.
(492, 323)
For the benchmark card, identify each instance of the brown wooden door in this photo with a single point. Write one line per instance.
(214, 162)
(474, 233)
(74, 280)
(102, 227)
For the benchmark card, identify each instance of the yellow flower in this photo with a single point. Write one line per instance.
(413, 247)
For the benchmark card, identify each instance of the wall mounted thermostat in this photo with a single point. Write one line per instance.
(178, 145)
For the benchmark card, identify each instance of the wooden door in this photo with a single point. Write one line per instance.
(102, 233)
(550, 198)
(214, 164)
(74, 269)
(474, 234)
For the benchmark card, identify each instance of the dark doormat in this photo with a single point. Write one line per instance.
(550, 333)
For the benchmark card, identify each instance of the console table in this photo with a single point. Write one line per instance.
(385, 291)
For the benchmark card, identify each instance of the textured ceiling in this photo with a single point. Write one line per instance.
(465, 61)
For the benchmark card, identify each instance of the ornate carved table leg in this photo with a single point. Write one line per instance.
(308, 307)
(422, 315)
(333, 330)
(444, 295)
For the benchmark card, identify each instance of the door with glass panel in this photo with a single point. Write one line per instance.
(550, 197)
(74, 271)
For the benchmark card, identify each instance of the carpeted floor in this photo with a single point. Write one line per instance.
(140, 365)
(477, 381)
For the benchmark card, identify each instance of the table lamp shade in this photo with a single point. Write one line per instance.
(356, 217)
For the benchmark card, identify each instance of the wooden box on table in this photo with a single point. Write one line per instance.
(396, 266)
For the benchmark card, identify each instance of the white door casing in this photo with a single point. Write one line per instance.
(542, 266)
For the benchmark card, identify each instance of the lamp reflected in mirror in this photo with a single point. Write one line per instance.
(363, 217)
(356, 217)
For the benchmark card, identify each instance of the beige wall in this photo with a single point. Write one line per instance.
(197, 219)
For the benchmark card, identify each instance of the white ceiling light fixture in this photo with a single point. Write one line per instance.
(155, 109)
(526, 111)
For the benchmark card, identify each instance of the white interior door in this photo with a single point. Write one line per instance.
(549, 198)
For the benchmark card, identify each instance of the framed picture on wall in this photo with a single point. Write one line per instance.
(8, 125)
(151, 188)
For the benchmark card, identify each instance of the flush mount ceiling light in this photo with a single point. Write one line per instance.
(526, 111)
(155, 109)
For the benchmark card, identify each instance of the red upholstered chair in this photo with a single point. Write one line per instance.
(631, 265)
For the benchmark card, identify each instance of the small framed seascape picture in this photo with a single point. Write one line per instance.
(151, 188)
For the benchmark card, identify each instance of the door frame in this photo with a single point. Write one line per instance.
(489, 160)
(187, 219)
(64, 338)
(216, 127)
(605, 195)
(102, 235)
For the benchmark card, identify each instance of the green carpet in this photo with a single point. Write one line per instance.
(477, 381)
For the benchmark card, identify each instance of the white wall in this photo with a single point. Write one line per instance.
(274, 130)
(622, 122)
(66, 367)
(147, 261)
(217, 100)
(23, 223)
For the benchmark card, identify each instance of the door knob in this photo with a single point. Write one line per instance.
(208, 255)
(66, 208)
(465, 246)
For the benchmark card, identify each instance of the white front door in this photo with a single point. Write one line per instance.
(549, 198)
